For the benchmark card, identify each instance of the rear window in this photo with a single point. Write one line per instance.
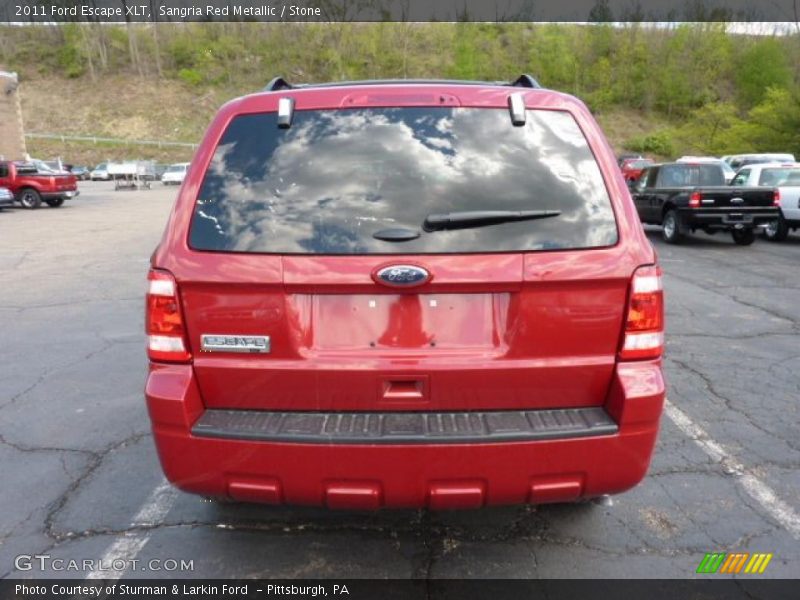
(778, 176)
(684, 175)
(26, 168)
(336, 177)
(639, 164)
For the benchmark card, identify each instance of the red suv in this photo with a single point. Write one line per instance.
(632, 168)
(405, 294)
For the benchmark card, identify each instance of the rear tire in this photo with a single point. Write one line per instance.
(743, 237)
(671, 227)
(777, 230)
(55, 202)
(30, 198)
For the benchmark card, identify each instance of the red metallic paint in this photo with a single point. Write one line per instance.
(405, 475)
(631, 173)
(50, 186)
(526, 330)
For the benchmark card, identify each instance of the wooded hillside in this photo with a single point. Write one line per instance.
(688, 88)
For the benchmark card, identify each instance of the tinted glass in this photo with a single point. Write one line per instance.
(641, 183)
(777, 176)
(639, 164)
(336, 177)
(741, 177)
(25, 168)
(685, 175)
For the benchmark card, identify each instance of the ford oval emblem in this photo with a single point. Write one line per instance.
(402, 275)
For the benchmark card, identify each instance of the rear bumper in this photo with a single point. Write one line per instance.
(746, 218)
(66, 195)
(436, 475)
(791, 215)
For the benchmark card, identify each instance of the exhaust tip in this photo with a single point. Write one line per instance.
(604, 500)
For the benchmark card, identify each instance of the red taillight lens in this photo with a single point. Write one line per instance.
(644, 324)
(694, 199)
(164, 321)
(776, 197)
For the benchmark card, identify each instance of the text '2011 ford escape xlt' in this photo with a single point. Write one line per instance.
(405, 294)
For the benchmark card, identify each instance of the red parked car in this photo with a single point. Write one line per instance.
(31, 186)
(632, 168)
(404, 294)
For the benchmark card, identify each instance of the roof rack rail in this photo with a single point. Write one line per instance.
(527, 81)
(279, 83)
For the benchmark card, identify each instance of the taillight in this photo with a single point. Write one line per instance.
(644, 323)
(776, 197)
(694, 199)
(164, 321)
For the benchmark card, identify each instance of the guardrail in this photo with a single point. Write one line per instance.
(96, 139)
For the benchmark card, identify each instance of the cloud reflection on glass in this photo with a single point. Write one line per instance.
(334, 178)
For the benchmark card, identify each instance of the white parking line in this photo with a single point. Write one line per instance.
(757, 489)
(117, 557)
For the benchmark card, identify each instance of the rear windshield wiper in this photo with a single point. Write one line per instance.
(481, 218)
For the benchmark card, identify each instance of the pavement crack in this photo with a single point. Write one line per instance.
(432, 542)
(769, 311)
(689, 517)
(728, 402)
(48, 372)
(96, 460)
(24, 448)
(711, 468)
(795, 325)
(749, 336)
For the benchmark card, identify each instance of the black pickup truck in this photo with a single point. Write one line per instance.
(685, 197)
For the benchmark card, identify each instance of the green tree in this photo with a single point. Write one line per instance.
(712, 129)
(774, 125)
(762, 65)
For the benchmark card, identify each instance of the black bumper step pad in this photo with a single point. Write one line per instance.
(404, 427)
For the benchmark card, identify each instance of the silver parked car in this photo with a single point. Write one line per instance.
(100, 173)
(6, 197)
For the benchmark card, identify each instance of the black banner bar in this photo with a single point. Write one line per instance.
(745, 588)
(153, 11)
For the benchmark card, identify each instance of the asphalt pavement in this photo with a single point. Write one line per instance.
(80, 479)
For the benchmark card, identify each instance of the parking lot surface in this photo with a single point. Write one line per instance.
(81, 479)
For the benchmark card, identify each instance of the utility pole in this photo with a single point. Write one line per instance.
(12, 133)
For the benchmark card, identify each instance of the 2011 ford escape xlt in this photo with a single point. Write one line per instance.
(404, 294)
